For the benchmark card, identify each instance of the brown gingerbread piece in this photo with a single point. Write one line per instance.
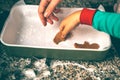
(87, 45)
(58, 38)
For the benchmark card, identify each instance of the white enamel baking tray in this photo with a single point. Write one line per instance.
(23, 35)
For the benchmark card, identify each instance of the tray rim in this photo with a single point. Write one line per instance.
(15, 45)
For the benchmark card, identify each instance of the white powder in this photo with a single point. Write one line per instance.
(29, 73)
(33, 33)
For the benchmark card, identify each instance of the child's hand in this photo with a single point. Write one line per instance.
(69, 23)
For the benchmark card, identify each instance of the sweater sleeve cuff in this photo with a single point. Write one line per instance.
(86, 16)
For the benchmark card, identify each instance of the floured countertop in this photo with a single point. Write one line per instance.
(14, 68)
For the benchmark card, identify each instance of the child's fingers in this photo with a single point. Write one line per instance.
(66, 30)
(61, 27)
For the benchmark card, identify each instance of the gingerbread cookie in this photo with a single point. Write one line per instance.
(58, 38)
(87, 45)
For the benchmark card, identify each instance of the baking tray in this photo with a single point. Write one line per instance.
(24, 36)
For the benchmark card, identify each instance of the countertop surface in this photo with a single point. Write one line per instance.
(20, 68)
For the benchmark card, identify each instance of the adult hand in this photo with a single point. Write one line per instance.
(46, 11)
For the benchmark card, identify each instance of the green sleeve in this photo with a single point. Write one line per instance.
(107, 22)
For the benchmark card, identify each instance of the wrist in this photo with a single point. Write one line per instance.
(77, 13)
(86, 16)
